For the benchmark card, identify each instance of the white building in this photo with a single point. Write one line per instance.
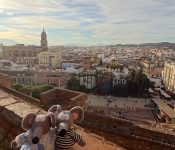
(88, 80)
(68, 64)
(120, 77)
(76, 69)
(71, 67)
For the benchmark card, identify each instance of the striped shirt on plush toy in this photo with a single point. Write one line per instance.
(68, 140)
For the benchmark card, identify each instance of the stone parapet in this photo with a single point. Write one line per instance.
(128, 132)
(66, 98)
(13, 109)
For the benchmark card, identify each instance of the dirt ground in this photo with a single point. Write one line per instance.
(94, 142)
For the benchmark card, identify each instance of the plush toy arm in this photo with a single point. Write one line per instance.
(78, 139)
(82, 143)
(23, 147)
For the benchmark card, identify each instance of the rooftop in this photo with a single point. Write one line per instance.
(164, 107)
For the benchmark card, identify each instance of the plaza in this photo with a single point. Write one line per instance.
(113, 102)
(125, 107)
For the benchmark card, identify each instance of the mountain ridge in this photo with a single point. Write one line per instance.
(8, 42)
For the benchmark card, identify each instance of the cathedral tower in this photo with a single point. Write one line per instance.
(44, 41)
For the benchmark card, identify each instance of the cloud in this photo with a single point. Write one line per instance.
(16, 35)
(9, 13)
(88, 22)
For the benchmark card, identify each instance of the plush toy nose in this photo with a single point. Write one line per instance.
(62, 132)
(35, 140)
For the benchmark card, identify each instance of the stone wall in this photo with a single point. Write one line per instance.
(12, 110)
(21, 95)
(112, 128)
(9, 128)
(66, 98)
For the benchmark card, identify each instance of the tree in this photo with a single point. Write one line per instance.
(137, 83)
(17, 86)
(107, 66)
(46, 88)
(25, 90)
(121, 67)
(36, 91)
(120, 90)
(103, 82)
(83, 88)
(73, 84)
(113, 66)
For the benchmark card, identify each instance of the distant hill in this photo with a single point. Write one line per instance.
(7, 42)
(144, 45)
(147, 45)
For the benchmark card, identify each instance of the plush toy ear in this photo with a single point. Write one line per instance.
(52, 119)
(28, 121)
(13, 144)
(55, 108)
(77, 114)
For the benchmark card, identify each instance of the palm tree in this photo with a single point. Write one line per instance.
(121, 67)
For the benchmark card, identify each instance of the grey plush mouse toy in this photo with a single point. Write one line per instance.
(65, 136)
(39, 135)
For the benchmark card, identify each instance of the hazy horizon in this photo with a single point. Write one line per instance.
(91, 22)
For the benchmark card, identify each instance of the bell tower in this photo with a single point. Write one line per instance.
(44, 41)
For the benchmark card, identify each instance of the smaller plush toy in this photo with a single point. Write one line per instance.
(24, 140)
(21, 139)
(39, 135)
(65, 136)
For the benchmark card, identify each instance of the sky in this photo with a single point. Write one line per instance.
(88, 22)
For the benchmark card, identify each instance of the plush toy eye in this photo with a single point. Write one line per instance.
(66, 117)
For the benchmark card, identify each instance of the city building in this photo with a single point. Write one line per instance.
(154, 73)
(50, 59)
(28, 61)
(86, 62)
(20, 50)
(148, 64)
(168, 76)
(44, 41)
(42, 77)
